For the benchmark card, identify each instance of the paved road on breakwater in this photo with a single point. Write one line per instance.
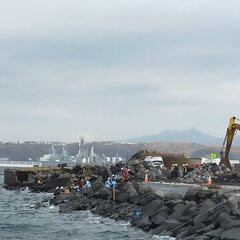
(182, 188)
(166, 188)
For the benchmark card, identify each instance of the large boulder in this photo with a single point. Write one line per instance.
(98, 184)
(192, 195)
(231, 234)
(189, 230)
(144, 223)
(225, 221)
(163, 211)
(122, 197)
(104, 193)
(233, 199)
(178, 211)
(166, 227)
(198, 195)
(216, 233)
(152, 207)
(173, 203)
(158, 219)
(206, 210)
(130, 190)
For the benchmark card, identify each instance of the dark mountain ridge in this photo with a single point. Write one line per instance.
(192, 135)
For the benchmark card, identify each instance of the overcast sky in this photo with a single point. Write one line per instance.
(110, 70)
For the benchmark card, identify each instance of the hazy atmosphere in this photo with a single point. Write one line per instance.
(110, 70)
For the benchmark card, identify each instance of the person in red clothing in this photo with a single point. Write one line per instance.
(125, 173)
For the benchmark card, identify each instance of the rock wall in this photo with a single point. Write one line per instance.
(200, 214)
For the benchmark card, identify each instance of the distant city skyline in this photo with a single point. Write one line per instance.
(117, 69)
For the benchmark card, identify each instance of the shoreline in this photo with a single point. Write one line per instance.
(189, 215)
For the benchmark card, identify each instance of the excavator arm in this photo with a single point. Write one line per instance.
(227, 143)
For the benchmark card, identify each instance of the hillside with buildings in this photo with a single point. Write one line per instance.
(97, 151)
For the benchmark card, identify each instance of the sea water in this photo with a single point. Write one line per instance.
(26, 215)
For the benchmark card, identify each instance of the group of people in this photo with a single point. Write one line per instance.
(86, 186)
(174, 171)
(185, 168)
(111, 182)
(77, 188)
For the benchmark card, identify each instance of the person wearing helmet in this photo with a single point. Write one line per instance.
(108, 183)
(114, 181)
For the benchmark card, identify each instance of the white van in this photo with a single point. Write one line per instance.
(154, 161)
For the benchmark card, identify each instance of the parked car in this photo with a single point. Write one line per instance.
(154, 161)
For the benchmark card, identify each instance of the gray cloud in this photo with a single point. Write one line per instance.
(117, 69)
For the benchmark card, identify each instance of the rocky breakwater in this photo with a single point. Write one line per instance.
(48, 178)
(200, 214)
(219, 174)
(37, 179)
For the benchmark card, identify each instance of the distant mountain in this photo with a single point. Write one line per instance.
(191, 135)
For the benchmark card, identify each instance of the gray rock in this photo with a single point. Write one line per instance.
(193, 211)
(53, 183)
(145, 200)
(189, 230)
(179, 210)
(64, 198)
(166, 226)
(144, 222)
(163, 211)
(173, 203)
(144, 189)
(231, 234)
(186, 218)
(192, 237)
(234, 202)
(224, 220)
(204, 194)
(208, 228)
(105, 194)
(122, 197)
(190, 203)
(152, 207)
(202, 238)
(98, 184)
(192, 195)
(172, 196)
(206, 210)
(130, 189)
(207, 205)
(158, 219)
(215, 233)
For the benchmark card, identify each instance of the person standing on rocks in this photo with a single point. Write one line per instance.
(108, 183)
(88, 185)
(172, 171)
(114, 181)
(185, 169)
(176, 171)
(125, 173)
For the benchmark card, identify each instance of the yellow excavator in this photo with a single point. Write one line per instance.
(231, 131)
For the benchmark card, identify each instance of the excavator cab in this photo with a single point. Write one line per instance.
(227, 143)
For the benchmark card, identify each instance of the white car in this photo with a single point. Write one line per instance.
(154, 161)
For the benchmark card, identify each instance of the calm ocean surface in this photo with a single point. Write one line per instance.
(20, 219)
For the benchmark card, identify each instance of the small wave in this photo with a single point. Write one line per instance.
(162, 237)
